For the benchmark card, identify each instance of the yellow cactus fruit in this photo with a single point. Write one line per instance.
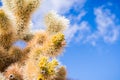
(43, 62)
(47, 68)
(55, 45)
(57, 39)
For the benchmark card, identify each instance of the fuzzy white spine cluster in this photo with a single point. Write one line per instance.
(55, 23)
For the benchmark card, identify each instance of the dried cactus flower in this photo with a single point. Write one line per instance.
(61, 74)
(27, 37)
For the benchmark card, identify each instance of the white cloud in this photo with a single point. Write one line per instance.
(77, 18)
(83, 31)
(106, 22)
(107, 28)
(70, 32)
(77, 32)
(82, 13)
(76, 28)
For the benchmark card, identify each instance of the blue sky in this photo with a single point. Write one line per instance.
(93, 37)
(93, 51)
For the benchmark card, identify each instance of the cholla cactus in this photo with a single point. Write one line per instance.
(37, 61)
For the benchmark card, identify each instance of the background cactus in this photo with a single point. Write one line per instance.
(37, 61)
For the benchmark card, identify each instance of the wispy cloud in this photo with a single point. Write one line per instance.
(77, 32)
(107, 27)
(77, 18)
(106, 22)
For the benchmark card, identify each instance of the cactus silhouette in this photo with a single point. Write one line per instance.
(38, 60)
